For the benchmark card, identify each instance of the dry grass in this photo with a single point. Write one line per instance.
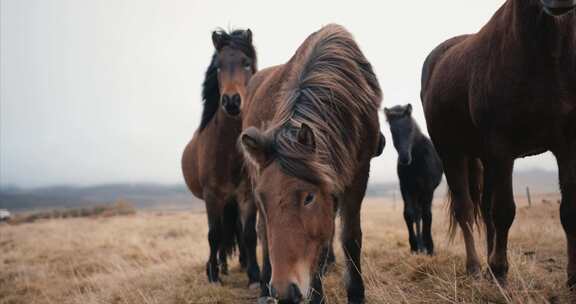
(159, 258)
(120, 207)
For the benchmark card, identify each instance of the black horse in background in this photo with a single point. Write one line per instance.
(420, 172)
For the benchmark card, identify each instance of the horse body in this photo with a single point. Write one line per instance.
(212, 164)
(506, 92)
(198, 174)
(419, 171)
(310, 130)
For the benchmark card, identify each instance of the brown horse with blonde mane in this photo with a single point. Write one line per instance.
(506, 92)
(310, 130)
(212, 164)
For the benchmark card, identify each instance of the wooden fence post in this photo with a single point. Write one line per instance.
(528, 196)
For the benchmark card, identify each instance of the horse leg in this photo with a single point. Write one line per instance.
(457, 169)
(410, 218)
(266, 274)
(486, 207)
(223, 262)
(327, 257)
(419, 239)
(567, 170)
(250, 241)
(247, 232)
(317, 293)
(427, 222)
(214, 208)
(242, 250)
(503, 212)
(352, 235)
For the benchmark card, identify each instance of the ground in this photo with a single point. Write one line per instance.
(155, 257)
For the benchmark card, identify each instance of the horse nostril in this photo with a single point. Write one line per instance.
(294, 293)
(273, 292)
(236, 99)
(290, 295)
(225, 100)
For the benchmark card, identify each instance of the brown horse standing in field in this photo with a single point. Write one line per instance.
(508, 91)
(212, 164)
(310, 130)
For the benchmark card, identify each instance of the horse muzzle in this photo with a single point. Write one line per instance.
(290, 296)
(231, 104)
(405, 159)
(558, 7)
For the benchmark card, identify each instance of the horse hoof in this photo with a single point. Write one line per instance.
(266, 300)
(474, 270)
(499, 271)
(212, 274)
(224, 269)
(253, 286)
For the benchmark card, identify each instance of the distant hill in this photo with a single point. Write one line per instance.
(538, 180)
(142, 196)
(167, 197)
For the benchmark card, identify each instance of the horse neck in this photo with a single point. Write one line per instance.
(523, 25)
(226, 128)
(419, 138)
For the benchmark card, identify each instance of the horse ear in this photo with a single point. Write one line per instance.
(254, 146)
(408, 109)
(248, 36)
(386, 111)
(217, 39)
(306, 136)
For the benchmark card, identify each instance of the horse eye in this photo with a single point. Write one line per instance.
(309, 198)
(247, 66)
(218, 70)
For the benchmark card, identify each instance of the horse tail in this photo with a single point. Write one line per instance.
(475, 186)
(230, 228)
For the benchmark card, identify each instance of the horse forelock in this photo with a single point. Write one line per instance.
(332, 89)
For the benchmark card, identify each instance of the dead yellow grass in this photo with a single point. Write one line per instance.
(159, 258)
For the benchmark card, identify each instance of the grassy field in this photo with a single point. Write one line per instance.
(160, 257)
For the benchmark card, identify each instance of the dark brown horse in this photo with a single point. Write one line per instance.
(506, 92)
(310, 130)
(212, 164)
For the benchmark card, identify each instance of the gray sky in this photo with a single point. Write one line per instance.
(109, 90)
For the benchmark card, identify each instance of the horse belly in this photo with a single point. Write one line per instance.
(190, 169)
(526, 125)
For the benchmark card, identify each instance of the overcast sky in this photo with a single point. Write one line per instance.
(109, 91)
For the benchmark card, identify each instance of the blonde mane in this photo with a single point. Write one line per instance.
(332, 89)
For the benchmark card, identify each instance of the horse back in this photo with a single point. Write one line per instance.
(434, 57)
(446, 78)
(263, 93)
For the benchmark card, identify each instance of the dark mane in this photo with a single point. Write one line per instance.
(210, 94)
(333, 89)
(210, 89)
